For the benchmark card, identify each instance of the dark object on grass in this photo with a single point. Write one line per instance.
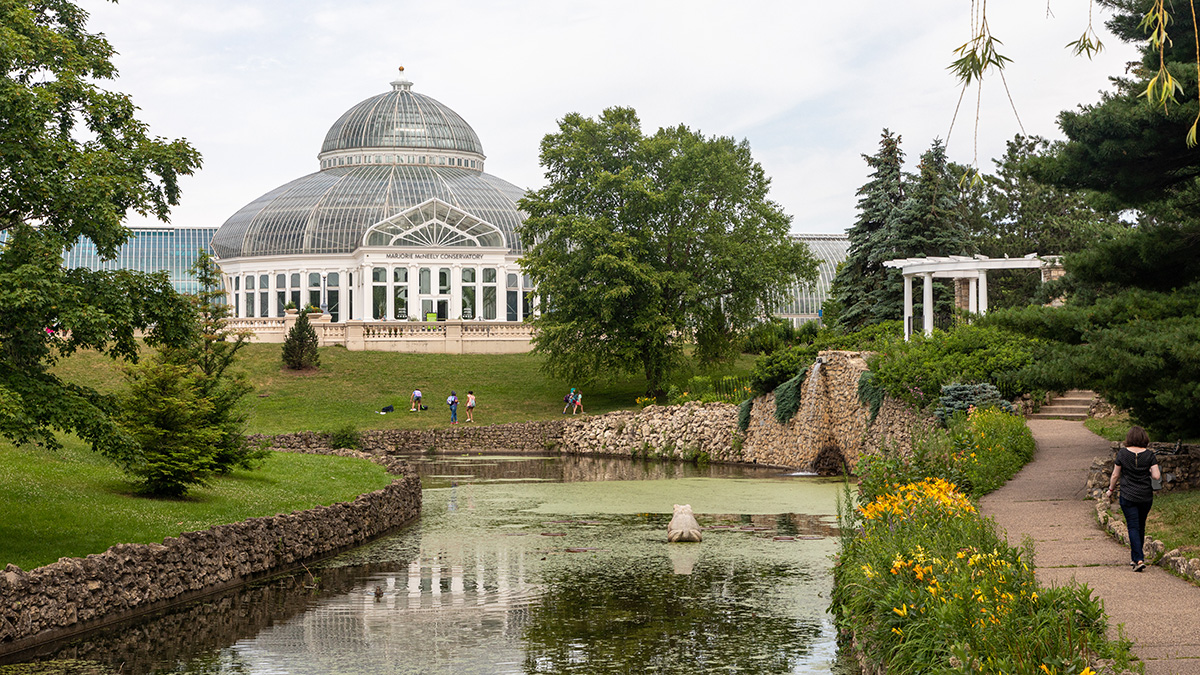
(388, 409)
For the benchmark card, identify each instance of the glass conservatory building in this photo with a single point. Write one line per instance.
(830, 250)
(399, 224)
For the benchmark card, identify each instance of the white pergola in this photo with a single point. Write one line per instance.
(972, 268)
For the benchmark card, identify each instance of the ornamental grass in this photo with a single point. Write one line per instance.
(925, 585)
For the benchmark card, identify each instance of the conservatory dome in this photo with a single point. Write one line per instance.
(399, 169)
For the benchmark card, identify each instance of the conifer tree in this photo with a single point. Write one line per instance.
(860, 276)
(926, 225)
(300, 346)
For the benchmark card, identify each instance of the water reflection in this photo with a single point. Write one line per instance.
(541, 576)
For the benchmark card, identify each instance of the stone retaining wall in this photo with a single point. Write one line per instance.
(77, 594)
(829, 432)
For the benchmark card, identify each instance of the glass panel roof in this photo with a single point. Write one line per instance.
(401, 119)
(330, 211)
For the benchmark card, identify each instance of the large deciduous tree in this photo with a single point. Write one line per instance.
(640, 243)
(74, 160)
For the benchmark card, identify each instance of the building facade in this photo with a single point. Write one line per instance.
(399, 224)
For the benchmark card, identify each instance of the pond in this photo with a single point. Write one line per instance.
(527, 565)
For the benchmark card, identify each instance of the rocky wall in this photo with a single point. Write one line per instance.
(77, 594)
(830, 431)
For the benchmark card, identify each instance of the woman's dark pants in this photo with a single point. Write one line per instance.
(1135, 520)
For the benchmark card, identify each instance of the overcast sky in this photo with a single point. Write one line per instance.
(255, 85)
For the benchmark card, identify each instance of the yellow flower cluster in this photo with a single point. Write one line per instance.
(908, 499)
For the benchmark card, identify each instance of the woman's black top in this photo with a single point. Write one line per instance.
(1135, 474)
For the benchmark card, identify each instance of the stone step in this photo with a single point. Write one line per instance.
(1045, 415)
(1066, 408)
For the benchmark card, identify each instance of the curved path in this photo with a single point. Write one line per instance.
(1045, 501)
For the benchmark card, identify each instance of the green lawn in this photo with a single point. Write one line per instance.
(1113, 427)
(1173, 521)
(75, 502)
(350, 387)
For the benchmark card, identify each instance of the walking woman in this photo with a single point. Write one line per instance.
(1134, 466)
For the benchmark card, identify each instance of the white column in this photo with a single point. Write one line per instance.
(983, 291)
(391, 294)
(455, 313)
(908, 307)
(973, 295)
(363, 301)
(344, 295)
(927, 302)
(414, 303)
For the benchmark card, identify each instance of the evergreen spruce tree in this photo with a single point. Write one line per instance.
(300, 346)
(926, 225)
(861, 275)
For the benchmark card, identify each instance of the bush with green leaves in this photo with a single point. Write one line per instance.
(164, 412)
(744, 415)
(915, 371)
(959, 398)
(870, 394)
(300, 345)
(772, 370)
(787, 398)
(923, 583)
(347, 437)
(768, 336)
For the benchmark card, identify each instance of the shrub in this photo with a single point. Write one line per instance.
(772, 370)
(960, 398)
(744, 415)
(300, 345)
(915, 371)
(165, 414)
(870, 394)
(769, 336)
(347, 437)
(787, 398)
(926, 585)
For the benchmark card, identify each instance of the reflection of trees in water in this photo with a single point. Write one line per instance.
(441, 470)
(629, 621)
(196, 633)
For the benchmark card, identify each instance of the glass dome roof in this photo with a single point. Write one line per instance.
(401, 118)
(329, 212)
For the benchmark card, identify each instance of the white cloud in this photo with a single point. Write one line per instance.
(256, 84)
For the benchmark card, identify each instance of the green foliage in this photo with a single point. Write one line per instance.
(870, 394)
(768, 336)
(899, 217)
(167, 417)
(771, 370)
(300, 345)
(959, 398)
(915, 371)
(927, 585)
(1137, 348)
(347, 437)
(76, 161)
(638, 238)
(726, 389)
(787, 398)
(744, 414)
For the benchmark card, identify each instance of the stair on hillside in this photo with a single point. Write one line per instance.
(1073, 405)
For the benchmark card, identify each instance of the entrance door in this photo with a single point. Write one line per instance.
(443, 310)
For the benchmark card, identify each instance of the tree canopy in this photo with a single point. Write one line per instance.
(640, 242)
(74, 160)
(1131, 324)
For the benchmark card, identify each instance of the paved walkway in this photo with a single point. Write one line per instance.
(1045, 501)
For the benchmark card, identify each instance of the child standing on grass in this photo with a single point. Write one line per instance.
(470, 406)
(569, 399)
(452, 401)
(577, 402)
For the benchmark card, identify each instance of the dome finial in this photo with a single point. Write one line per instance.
(401, 83)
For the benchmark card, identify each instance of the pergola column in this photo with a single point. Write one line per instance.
(983, 291)
(908, 306)
(973, 295)
(927, 302)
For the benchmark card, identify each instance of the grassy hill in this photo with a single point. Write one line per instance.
(350, 387)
